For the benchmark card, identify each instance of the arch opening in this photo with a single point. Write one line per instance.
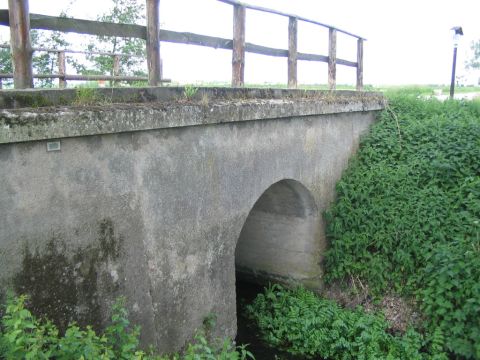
(281, 239)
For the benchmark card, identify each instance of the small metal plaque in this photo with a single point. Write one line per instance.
(53, 146)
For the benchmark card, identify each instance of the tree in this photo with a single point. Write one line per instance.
(43, 62)
(6, 66)
(474, 61)
(125, 12)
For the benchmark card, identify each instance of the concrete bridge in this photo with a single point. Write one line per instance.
(161, 198)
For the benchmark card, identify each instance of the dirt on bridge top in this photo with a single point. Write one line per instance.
(90, 97)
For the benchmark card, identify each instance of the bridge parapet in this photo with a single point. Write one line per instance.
(29, 115)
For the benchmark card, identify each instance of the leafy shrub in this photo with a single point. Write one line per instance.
(407, 215)
(304, 324)
(202, 349)
(22, 336)
(25, 337)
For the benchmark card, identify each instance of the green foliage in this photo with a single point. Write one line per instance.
(304, 324)
(46, 62)
(202, 349)
(6, 66)
(42, 62)
(25, 337)
(124, 12)
(22, 336)
(474, 61)
(407, 213)
(189, 92)
(86, 96)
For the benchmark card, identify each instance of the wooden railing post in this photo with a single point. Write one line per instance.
(116, 68)
(292, 52)
(360, 64)
(153, 42)
(332, 59)
(62, 83)
(19, 19)
(238, 51)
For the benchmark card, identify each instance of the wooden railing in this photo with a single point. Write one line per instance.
(63, 77)
(20, 21)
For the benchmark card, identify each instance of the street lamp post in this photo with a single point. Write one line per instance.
(456, 37)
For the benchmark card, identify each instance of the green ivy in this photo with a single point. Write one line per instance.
(407, 215)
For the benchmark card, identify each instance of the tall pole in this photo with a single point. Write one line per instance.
(452, 83)
(19, 19)
(153, 43)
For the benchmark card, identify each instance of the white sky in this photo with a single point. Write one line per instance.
(409, 41)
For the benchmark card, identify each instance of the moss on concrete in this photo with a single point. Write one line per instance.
(65, 288)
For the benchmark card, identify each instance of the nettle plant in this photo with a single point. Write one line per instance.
(304, 324)
(407, 215)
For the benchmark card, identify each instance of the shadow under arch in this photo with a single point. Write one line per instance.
(280, 240)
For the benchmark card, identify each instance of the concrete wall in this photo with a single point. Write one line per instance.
(153, 209)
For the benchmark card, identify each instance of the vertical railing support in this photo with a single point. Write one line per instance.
(332, 58)
(19, 19)
(360, 64)
(238, 52)
(292, 52)
(62, 83)
(153, 42)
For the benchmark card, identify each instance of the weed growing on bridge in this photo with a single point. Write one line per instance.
(407, 216)
(189, 92)
(85, 96)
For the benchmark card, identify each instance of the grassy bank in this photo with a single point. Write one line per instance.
(406, 220)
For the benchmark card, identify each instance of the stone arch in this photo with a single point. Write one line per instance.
(280, 240)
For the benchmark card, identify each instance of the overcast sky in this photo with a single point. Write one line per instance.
(408, 41)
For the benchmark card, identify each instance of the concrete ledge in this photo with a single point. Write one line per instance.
(165, 108)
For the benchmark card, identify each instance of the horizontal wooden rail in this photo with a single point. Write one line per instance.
(80, 26)
(86, 77)
(276, 12)
(172, 37)
(71, 51)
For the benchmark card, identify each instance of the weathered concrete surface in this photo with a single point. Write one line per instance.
(210, 106)
(281, 240)
(152, 209)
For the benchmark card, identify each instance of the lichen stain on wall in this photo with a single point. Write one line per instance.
(69, 286)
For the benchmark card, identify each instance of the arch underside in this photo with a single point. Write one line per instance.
(280, 240)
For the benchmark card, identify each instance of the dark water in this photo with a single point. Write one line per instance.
(247, 331)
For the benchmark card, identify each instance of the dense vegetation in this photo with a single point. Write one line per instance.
(302, 323)
(406, 220)
(22, 336)
(407, 215)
